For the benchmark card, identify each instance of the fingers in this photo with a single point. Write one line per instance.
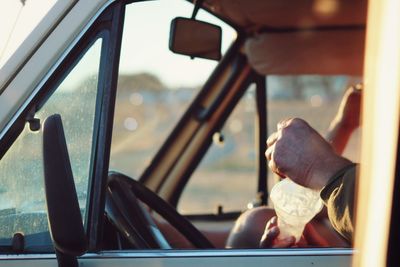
(271, 223)
(269, 236)
(270, 149)
(283, 123)
(272, 139)
(268, 153)
(271, 161)
(284, 243)
(274, 136)
(271, 232)
(302, 242)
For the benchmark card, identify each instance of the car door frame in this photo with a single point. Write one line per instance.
(107, 25)
(99, 175)
(235, 73)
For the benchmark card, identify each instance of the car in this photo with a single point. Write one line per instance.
(132, 133)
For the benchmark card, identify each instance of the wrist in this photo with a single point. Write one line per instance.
(323, 171)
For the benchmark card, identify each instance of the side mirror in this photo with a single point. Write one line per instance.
(195, 38)
(64, 216)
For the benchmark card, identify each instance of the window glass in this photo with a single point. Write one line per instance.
(155, 86)
(227, 175)
(22, 197)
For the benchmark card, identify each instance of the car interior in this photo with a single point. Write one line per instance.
(332, 44)
(185, 166)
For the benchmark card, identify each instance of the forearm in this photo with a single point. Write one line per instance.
(338, 135)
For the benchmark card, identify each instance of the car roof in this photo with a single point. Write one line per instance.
(254, 14)
(281, 33)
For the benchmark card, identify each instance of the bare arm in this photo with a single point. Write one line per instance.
(347, 119)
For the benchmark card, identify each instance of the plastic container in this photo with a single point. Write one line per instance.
(295, 206)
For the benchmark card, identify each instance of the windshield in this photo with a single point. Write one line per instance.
(17, 19)
(155, 85)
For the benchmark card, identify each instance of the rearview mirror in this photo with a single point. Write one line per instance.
(195, 38)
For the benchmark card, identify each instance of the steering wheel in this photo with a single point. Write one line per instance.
(135, 222)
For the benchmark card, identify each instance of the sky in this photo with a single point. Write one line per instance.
(146, 47)
(145, 39)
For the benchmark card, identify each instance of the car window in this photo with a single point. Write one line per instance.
(22, 197)
(226, 178)
(155, 86)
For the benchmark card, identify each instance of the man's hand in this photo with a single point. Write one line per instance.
(298, 152)
(270, 240)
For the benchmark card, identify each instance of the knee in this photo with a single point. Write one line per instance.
(249, 227)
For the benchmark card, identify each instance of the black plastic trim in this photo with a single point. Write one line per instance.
(261, 102)
(108, 74)
(226, 216)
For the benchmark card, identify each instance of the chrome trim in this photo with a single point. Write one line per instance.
(53, 68)
(196, 253)
(28, 257)
(221, 253)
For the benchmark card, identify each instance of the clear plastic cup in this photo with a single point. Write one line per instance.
(295, 206)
